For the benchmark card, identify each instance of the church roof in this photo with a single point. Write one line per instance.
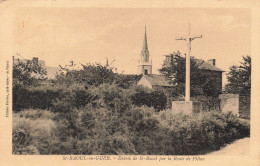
(159, 80)
(207, 66)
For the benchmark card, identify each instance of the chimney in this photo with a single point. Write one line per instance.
(212, 62)
(35, 59)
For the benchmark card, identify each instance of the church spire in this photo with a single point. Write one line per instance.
(145, 45)
(145, 65)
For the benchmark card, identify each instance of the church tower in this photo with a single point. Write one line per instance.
(144, 64)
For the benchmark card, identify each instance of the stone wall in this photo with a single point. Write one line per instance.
(186, 107)
(229, 103)
(237, 104)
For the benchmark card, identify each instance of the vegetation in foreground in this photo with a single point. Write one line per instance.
(137, 130)
(95, 111)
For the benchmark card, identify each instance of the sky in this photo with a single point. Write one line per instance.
(88, 35)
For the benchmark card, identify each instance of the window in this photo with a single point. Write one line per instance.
(145, 71)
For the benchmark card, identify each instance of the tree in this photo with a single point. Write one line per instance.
(94, 75)
(239, 77)
(203, 82)
(91, 74)
(28, 73)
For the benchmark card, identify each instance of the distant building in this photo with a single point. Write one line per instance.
(51, 71)
(148, 79)
(155, 81)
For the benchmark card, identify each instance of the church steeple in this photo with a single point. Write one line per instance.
(145, 46)
(145, 65)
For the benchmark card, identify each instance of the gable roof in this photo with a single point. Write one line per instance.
(200, 62)
(52, 71)
(159, 80)
(207, 66)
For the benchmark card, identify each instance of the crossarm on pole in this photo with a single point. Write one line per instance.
(180, 38)
(192, 38)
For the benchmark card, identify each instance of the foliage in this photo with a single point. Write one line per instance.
(27, 74)
(32, 136)
(57, 98)
(112, 97)
(96, 112)
(35, 114)
(36, 97)
(95, 75)
(152, 98)
(239, 77)
(202, 133)
(126, 81)
(74, 96)
(203, 82)
(138, 130)
(91, 74)
(147, 134)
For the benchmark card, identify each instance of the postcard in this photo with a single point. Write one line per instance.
(129, 82)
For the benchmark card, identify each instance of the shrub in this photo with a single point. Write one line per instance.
(199, 134)
(56, 98)
(35, 114)
(36, 97)
(32, 136)
(146, 133)
(111, 97)
(20, 98)
(151, 98)
(126, 81)
(103, 120)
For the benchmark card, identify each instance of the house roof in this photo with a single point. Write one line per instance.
(207, 66)
(200, 62)
(40, 62)
(159, 80)
(52, 71)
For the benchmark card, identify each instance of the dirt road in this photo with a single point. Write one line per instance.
(239, 147)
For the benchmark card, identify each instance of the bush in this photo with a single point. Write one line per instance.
(200, 134)
(112, 98)
(35, 114)
(146, 133)
(126, 81)
(20, 98)
(152, 98)
(138, 130)
(35, 98)
(104, 120)
(56, 98)
(32, 136)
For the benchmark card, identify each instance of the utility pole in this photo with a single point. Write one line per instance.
(188, 39)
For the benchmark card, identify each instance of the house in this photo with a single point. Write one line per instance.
(51, 71)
